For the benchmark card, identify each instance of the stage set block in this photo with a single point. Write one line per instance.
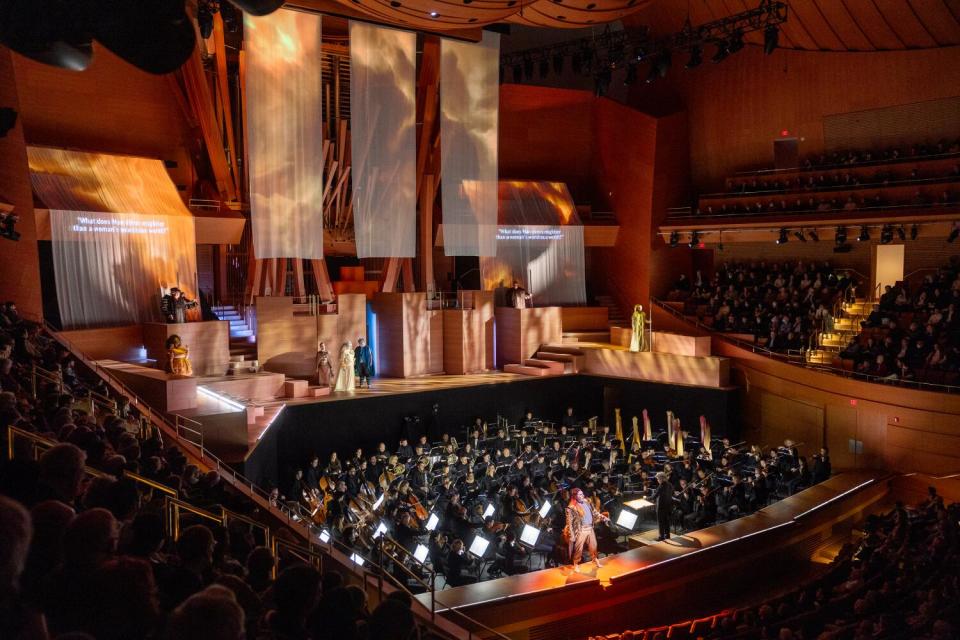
(409, 335)
(287, 338)
(209, 344)
(665, 342)
(468, 335)
(521, 332)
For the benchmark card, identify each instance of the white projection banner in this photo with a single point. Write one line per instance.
(469, 110)
(546, 260)
(383, 139)
(110, 267)
(284, 130)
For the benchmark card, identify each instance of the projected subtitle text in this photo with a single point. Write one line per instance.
(119, 225)
(523, 233)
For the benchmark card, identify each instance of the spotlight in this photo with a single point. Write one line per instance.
(901, 233)
(736, 42)
(784, 237)
(914, 231)
(544, 68)
(721, 53)
(663, 62)
(696, 57)
(814, 236)
(694, 239)
(674, 238)
(156, 37)
(434, 14)
(864, 234)
(771, 38)
(631, 76)
(258, 7)
(558, 63)
(48, 31)
(205, 19)
(954, 232)
(800, 235)
(841, 236)
(886, 234)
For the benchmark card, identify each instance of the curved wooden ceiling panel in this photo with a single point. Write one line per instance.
(827, 25)
(574, 14)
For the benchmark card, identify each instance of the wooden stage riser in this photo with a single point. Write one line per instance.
(656, 367)
(664, 593)
(209, 344)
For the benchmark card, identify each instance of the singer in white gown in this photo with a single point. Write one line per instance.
(346, 377)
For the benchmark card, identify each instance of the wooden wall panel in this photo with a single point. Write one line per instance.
(389, 313)
(409, 335)
(110, 343)
(521, 332)
(736, 109)
(531, 146)
(787, 419)
(656, 367)
(19, 261)
(584, 318)
(111, 106)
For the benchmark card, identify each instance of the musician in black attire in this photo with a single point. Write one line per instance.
(663, 499)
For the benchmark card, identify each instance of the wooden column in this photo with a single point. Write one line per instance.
(427, 196)
(322, 279)
(299, 286)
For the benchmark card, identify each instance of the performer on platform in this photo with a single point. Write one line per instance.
(324, 366)
(519, 296)
(346, 374)
(174, 306)
(663, 498)
(638, 340)
(363, 363)
(178, 357)
(581, 518)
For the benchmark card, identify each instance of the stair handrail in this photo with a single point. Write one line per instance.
(754, 348)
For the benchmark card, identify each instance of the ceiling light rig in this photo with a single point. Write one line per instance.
(600, 54)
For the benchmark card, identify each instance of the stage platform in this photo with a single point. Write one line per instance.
(596, 601)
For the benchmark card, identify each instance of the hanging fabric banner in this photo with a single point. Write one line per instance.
(469, 110)
(284, 95)
(383, 139)
(548, 261)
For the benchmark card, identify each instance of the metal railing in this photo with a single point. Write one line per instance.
(463, 299)
(782, 357)
(826, 167)
(846, 213)
(792, 191)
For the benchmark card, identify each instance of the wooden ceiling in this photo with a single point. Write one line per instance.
(827, 25)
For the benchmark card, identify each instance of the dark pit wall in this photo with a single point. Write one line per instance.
(345, 425)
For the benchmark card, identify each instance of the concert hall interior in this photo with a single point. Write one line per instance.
(442, 319)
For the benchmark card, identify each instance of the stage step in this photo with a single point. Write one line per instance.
(615, 317)
(559, 368)
(572, 363)
(267, 416)
(529, 370)
(562, 348)
(314, 391)
(573, 337)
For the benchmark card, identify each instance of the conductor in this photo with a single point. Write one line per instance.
(663, 498)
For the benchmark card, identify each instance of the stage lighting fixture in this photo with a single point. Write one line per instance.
(627, 519)
(544, 68)
(736, 42)
(324, 536)
(674, 238)
(545, 508)
(694, 239)
(800, 235)
(258, 7)
(631, 76)
(357, 560)
(528, 69)
(48, 31)
(954, 232)
(771, 38)
(558, 63)
(814, 236)
(696, 57)
(784, 237)
(489, 511)
(663, 62)
(914, 231)
(864, 234)
(722, 52)
(886, 234)
(901, 233)
(479, 546)
(432, 522)
(205, 19)
(434, 14)
(421, 553)
(529, 535)
(841, 236)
